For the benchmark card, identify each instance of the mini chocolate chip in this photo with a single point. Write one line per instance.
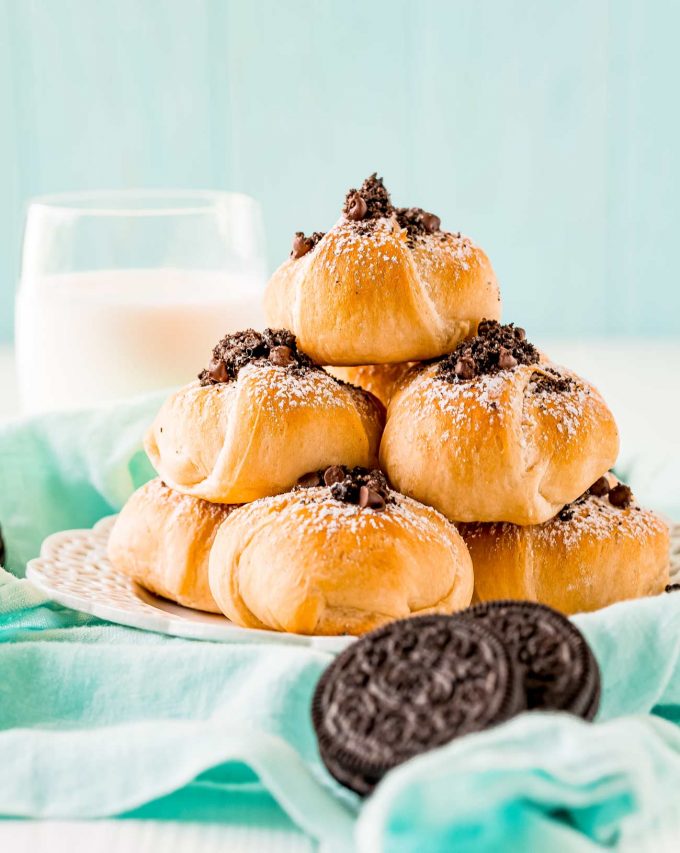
(334, 474)
(600, 487)
(281, 356)
(672, 587)
(566, 513)
(237, 350)
(356, 208)
(621, 496)
(217, 370)
(301, 245)
(465, 367)
(506, 359)
(370, 499)
(308, 481)
(493, 348)
(431, 222)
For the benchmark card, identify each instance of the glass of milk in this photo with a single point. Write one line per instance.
(126, 292)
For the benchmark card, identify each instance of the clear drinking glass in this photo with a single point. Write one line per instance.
(124, 292)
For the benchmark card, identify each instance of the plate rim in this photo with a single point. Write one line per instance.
(159, 621)
(156, 620)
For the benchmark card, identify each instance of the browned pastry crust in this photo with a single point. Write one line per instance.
(162, 540)
(235, 441)
(593, 555)
(388, 287)
(381, 380)
(505, 446)
(307, 563)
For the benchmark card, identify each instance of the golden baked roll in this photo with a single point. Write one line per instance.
(162, 540)
(598, 550)
(380, 379)
(492, 433)
(384, 285)
(258, 418)
(337, 559)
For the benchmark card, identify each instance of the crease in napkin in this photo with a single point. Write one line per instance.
(100, 720)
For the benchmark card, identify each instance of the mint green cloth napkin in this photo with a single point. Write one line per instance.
(69, 469)
(98, 720)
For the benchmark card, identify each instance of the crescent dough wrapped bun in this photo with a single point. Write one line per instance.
(493, 433)
(261, 416)
(596, 551)
(162, 540)
(338, 560)
(381, 380)
(384, 285)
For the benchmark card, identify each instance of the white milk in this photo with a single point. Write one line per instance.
(86, 337)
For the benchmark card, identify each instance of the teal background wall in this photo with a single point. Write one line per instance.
(547, 130)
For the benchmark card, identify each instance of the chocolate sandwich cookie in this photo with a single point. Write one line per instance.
(560, 671)
(408, 687)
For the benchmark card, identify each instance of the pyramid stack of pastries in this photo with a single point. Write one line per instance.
(386, 449)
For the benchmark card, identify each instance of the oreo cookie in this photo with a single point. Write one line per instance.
(559, 669)
(409, 687)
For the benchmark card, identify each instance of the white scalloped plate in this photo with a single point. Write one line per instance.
(73, 570)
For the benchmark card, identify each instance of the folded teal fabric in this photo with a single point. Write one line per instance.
(68, 470)
(541, 782)
(99, 720)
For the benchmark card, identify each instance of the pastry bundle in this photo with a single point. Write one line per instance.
(386, 449)
(317, 541)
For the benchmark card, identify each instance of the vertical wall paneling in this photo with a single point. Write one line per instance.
(545, 130)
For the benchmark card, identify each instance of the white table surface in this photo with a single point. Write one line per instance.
(639, 380)
(146, 836)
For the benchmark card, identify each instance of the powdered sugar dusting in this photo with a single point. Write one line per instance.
(593, 517)
(279, 389)
(381, 242)
(319, 514)
(567, 408)
(436, 253)
(452, 399)
(495, 395)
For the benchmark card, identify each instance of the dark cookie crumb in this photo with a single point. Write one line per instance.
(366, 488)
(370, 201)
(493, 348)
(569, 510)
(672, 587)
(277, 346)
(549, 381)
(417, 222)
(302, 245)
